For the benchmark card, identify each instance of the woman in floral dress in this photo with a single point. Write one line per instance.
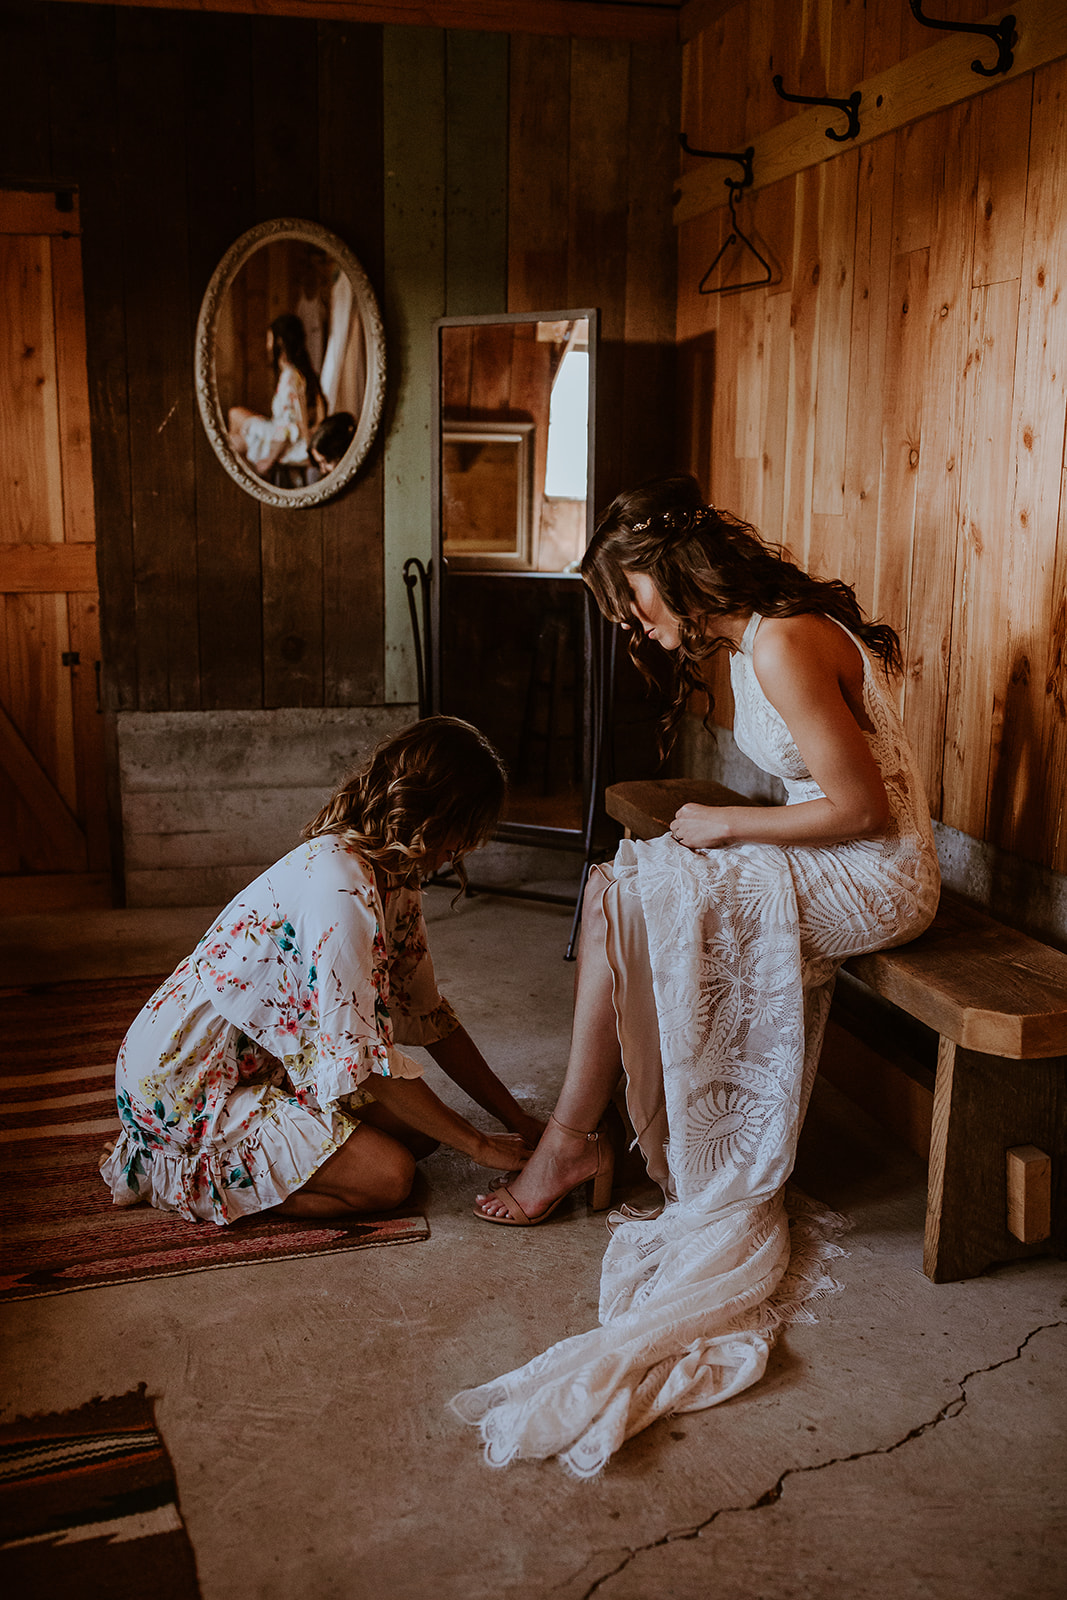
(706, 968)
(266, 1072)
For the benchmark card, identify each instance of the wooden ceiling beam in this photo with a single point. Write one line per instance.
(648, 22)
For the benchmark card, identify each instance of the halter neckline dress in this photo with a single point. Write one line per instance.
(724, 963)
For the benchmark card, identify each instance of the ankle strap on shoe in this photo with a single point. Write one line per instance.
(578, 1133)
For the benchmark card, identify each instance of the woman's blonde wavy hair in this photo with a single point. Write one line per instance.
(439, 779)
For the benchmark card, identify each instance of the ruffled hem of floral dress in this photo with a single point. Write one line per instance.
(223, 1184)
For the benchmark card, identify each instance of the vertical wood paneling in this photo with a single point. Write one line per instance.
(476, 207)
(837, 236)
(596, 235)
(152, 115)
(802, 371)
(414, 156)
(285, 139)
(351, 189)
(218, 77)
(84, 134)
(904, 379)
(1033, 765)
(538, 165)
(872, 264)
(975, 689)
(649, 368)
(1002, 176)
(938, 489)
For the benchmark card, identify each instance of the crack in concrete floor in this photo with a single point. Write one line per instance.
(771, 1496)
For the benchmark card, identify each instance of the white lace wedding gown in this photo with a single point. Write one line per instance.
(741, 945)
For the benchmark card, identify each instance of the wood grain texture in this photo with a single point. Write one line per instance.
(152, 117)
(980, 1112)
(476, 202)
(630, 19)
(538, 168)
(1029, 1175)
(950, 520)
(937, 76)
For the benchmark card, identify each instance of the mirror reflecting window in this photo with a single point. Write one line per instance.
(514, 397)
(290, 363)
(513, 638)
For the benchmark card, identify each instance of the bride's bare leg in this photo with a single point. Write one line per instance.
(593, 1068)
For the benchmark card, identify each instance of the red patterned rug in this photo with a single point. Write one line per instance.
(89, 1507)
(57, 1109)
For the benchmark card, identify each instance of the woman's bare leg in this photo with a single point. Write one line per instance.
(593, 1066)
(377, 1116)
(370, 1172)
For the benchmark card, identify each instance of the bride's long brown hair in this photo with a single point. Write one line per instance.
(707, 563)
(436, 780)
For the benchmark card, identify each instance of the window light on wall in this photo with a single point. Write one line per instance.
(568, 429)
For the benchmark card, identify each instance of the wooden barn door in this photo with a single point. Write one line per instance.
(54, 849)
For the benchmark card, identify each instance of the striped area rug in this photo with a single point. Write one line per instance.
(88, 1506)
(57, 1110)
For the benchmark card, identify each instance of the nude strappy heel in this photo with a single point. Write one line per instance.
(599, 1182)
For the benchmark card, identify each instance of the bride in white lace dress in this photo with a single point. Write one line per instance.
(706, 968)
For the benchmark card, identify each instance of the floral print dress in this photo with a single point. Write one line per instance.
(245, 1070)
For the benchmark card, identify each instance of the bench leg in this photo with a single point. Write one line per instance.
(984, 1105)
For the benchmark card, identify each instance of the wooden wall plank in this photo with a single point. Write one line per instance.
(802, 371)
(40, 568)
(285, 82)
(83, 617)
(218, 87)
(596, 235)
(649, 424)
(1030, 780)
(901, 435)
(1004, 121)
(538, 163)
(927, 642)
(476, 199)
(72, 390)
(31, 488)
(24, 131)
(837, 236)
(414, 138)
(155, 235)
(985, 501)
(868, 335)
(352, 202)
(83, 111)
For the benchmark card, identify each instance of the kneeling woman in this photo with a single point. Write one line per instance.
(265, 1073)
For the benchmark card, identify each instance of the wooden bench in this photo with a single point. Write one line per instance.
(997, 1002)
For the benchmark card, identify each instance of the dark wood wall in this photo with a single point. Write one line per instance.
(183, 130)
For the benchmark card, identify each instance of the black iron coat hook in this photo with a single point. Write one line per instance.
(743, 159)
(1003, 33)
(851, 108)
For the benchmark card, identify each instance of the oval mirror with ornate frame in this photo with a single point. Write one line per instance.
(289, 338)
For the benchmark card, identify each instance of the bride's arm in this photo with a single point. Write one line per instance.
(801, 664)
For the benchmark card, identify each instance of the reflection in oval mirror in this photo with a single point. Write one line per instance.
(290, 363)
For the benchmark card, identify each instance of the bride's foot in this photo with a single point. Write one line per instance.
(564, 1159)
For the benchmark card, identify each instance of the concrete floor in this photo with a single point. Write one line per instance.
(909, 1445)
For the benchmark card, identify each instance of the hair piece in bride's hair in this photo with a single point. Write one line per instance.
(706, 563)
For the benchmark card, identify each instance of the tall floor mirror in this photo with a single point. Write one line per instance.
(515, 647)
